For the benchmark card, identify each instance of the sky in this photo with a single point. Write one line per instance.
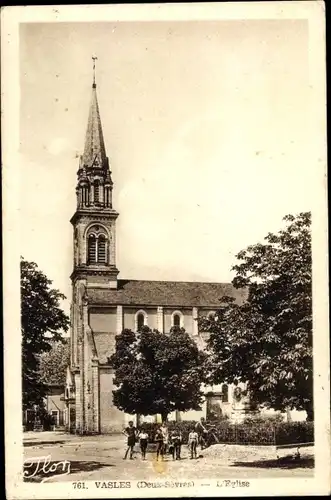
(206, 125)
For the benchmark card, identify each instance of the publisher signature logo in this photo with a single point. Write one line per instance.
(45, 468)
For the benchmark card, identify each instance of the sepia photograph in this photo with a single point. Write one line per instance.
(169, 271)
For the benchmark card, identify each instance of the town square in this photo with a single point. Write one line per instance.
(100, 458)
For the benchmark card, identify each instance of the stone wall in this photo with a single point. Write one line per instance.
(111, 419)
(103, 319)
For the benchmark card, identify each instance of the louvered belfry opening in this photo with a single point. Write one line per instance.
(92, 249)
(97, 249)
(96, 192)
(102, 257)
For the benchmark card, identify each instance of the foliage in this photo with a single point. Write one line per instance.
(267, 433)
(252, 434)
(266, 342)
(260, 418)
(54, 363)
(157, 372)
(41, 321)
(258, 433)
(295, 433)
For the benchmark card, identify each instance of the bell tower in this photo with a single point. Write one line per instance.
(94, 221)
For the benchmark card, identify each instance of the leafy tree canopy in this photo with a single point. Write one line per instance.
(54, 363)
(267, 341)
(157, 373)
(42, 320)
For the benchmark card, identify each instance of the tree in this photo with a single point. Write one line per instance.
(54, 363)
(157, 372)
(42, 321)
(267, 341)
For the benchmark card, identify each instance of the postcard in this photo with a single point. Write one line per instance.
(165, 250)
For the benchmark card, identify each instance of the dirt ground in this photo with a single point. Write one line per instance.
(101, 457)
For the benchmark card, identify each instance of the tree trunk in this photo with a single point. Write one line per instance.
(288, 415)
(164, 416)
(310, 413)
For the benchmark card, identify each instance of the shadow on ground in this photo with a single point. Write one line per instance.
(36, 473)
(280, 463)
(41, 443)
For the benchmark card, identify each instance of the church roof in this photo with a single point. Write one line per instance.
(94, 150)
(165, 293)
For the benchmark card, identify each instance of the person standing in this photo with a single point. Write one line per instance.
(159, 443)
(165, 434)
(131, 433)
(193, 443)
(143, 440)
(202, 432)
(176, 442)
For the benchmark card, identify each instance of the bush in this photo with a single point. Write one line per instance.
(267, 433)
(256, 432)
(294, 433)
(253, 434)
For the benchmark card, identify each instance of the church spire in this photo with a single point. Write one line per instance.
(94, 187)
(94, 149)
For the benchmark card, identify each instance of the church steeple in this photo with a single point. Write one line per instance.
(94, 150)
(94, 219)
(94, 187)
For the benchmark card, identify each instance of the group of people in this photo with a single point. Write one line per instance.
(165, 442)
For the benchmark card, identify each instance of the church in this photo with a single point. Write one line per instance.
(104, 303)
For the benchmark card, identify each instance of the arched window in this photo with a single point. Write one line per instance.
(96, 191)
(140, 321)
(97, 245)
(102, 249)
(92, 249)
(176, 320)
(225, 393)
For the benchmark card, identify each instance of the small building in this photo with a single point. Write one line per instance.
(53, 414)
(55, 406)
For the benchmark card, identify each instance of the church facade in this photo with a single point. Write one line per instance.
(103, 304)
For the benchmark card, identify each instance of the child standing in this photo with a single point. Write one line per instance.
(159, 443)
(165, 433)
(193, 443)
(130, 432)
(176, 441)
(143, 440)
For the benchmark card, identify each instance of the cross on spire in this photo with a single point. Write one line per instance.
(94, 58)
